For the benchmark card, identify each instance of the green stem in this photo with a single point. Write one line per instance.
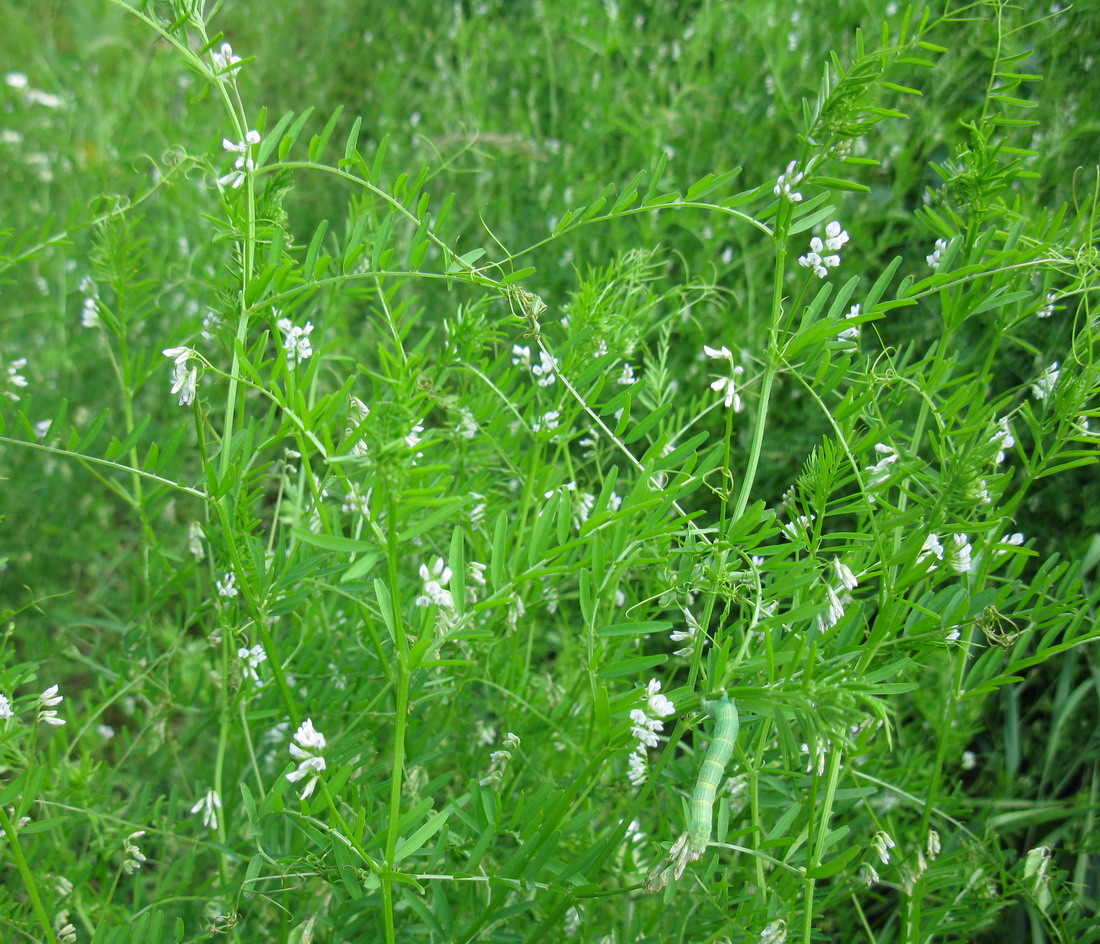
(27, 876)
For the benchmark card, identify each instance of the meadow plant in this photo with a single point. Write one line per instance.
(699, 552)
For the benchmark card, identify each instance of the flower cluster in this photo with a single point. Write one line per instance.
(225, 63)
(937, 254)
(252, 659)
(47, 702)
(307, 751)
(133, 856)
(5, 708)
(1003, 439)
(1043, 387)
(209, 806)
(295, 341)
(815, 259)
(13, 377)
(185, 376)
(727, 386)
(789, 179)
(647, 725)
(434, 578)
(227, 586)
(836, 591)
(244, 164)
(89, 316)
(498, 760)
(687, 635)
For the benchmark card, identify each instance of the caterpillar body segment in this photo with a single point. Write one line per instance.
(711, 773)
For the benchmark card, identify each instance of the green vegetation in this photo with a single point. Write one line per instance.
(520, 471)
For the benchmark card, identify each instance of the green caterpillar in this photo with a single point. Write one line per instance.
(710, 774)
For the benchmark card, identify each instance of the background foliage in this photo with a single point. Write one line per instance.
(503, 478)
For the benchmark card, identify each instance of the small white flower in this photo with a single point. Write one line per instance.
(835, 237)
(1042, 388)
(309, 742)
(774, 933)
(194, 540)
(657, 703)
(937, 254)
(227, 586)
(545, 369)
(549, 421)
(5, 708)
(225, 63)
(185, 378)
(931, 548)
(881, 470)
(645, 729)
(133, 855)
(1048, 306)
(638, 768)
(626, 378)
(296, 341)
(960, 553)
(844, 574)
(105, 731)
(720, 353)
(728, 387)
(852, 333)
(434, 578)
(467, 425)
(816, 761)
(252, 658)
(521, 355)
(66, 932)
(969, 760)
(511, 740)
(882, 844)
(47, 701)
(16, 80)
(14, 378)
(1003, 439)
(786, 181)
(209, 806)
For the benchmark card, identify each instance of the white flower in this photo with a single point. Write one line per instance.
(881, 470)
(657, 703)
(467, 425)
(16, 80)
(184, 378)
(882, 844)
(133, 855)
(835, 237)
(774, 933)
(227, 586)
(728, 387)
(931, 548)
(252, 659)
(307, 750)
(645, 729)
(5, 708)
(720, 353)
(1003, 439)
(787, 180)
(816, 759)
(46, 702)
(211, 322)
(637, 772)
(521, 355)
(296, 341)
(225, 63)
(960, 551)
(209, 806)
(626, 378)
(66, 932)
(832, 616)
(969, 760)
(545, 369)
(937, 254)
(511, 740)
(852, 333)
(1048, 306)
(844, 574)
(549, 421)
(1042, 388)
(14, 378)
(194, 540)
(434, 578)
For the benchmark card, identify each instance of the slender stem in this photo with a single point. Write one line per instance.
(26, 874)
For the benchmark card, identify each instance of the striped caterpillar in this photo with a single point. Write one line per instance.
(711, 772)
